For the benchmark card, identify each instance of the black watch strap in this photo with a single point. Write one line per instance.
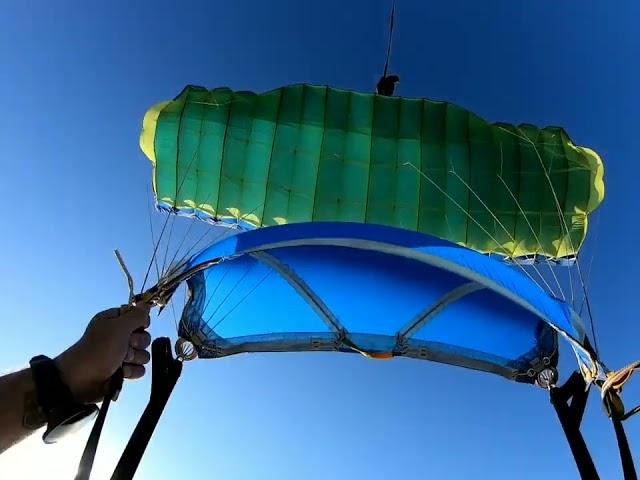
(51, 390)
(63, 414)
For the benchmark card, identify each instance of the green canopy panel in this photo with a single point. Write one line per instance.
(313, 153)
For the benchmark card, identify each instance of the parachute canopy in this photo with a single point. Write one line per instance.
(375, 290)
(311, 153)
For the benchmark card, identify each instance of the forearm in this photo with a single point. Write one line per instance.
(20, 411)
(84, 370)
(17, 398)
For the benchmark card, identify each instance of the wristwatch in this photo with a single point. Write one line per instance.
(55, 403)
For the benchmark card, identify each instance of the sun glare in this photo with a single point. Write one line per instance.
(32, 459)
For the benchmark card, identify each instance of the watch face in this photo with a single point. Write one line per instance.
(62, 423)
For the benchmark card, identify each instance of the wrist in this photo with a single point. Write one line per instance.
(81, 380)
(69, 368)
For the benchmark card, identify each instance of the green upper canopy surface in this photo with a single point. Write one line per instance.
(312, 153)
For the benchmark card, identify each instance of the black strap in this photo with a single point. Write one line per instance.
(628, 468)
(392, 24)
(570, 416)
(387, 83)
(89, 454)
(164, 374)
(50, 388)
(615, 409)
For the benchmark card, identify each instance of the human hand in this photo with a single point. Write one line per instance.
(114, 338)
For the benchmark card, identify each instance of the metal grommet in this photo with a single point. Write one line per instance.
(547, 378)
(546, 361)
(531, 373)
(185, 350)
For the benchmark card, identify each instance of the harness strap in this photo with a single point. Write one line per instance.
(164, 374)
(570, 415)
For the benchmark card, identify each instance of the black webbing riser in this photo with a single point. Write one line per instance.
(570, 417)
(89, 453)
(626, 459)
(165, 373)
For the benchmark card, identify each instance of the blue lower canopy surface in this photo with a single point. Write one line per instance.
(376, 290)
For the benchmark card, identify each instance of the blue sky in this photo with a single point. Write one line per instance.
(75, 82)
